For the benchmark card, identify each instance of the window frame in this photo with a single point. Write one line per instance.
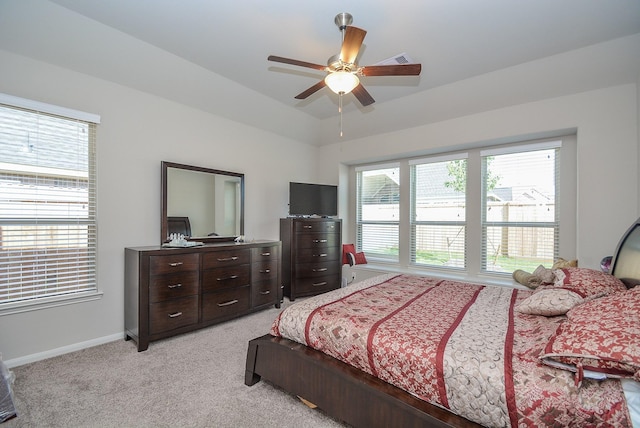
(414, 223)
(359, 223)
(92, 292)
(473, 270)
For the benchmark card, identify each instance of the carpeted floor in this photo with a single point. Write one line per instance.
(192, 380)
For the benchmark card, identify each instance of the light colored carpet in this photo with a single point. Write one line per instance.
(191, 380)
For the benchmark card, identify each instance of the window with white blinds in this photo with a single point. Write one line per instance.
(378, 211)
(438, 211)
(47, 202)
(520, 207)
(478, 212)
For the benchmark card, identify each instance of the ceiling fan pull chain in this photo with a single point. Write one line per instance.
(340, 111)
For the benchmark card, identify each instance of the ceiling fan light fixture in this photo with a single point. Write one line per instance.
(341, 82)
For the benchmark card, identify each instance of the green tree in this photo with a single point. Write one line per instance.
(458, 172)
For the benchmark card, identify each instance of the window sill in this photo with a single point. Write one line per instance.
(48, 302)
(484, 279)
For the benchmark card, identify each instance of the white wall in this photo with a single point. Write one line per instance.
(137, 132)
(606, 121)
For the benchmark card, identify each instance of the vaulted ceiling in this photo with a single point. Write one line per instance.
(504, 52)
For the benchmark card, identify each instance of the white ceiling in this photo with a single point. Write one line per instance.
(454, 40)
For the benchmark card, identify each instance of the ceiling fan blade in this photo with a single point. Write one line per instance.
(362, 95)
(353, 38)
(315, 88)
(296, 62)
(392, 70)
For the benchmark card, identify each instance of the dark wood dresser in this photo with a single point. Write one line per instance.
(169, 291)
(311, 255)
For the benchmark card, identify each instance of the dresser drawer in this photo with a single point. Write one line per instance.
(220, 278)
(225, 303)
(263, 270)
(264, 292)
(318, 240)
(316, 226)
(317, 255)
(173, 285)
(159, 265)
(317, 285)
(226, 258)
(304, 270)
(169, 315)
(264, 253)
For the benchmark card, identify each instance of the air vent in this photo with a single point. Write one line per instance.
(402, 58)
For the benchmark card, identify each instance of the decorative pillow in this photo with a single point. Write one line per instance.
(360, 259)
(588, 283)
(562, 263)
(545, 276)
(572, 286)
(549, 302)
(601, 335)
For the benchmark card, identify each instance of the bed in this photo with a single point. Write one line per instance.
(412, 351)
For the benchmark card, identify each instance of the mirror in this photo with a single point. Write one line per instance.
(204, 204)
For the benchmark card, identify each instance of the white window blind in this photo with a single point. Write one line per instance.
(378, 212)
(47, 203)
(520, 207)
(438, 212)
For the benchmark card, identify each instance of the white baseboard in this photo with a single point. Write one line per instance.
(63, 350)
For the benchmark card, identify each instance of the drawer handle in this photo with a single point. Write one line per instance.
(320, 270)
(308, 226)
(175, 314)
(229, 277)
(319, 240)
(319, 284)
(228, 259)
(264, 293)
(174, 264)
(230, 302)
(175, 285)
(320, 255)
(265, 271)
(266, 254)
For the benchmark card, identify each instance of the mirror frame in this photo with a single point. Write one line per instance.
(164, 225)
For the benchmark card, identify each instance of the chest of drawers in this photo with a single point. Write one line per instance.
(311, 255)
(175, 290)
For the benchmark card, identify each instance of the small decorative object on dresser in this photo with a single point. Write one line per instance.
(311, 255)
(169, 291)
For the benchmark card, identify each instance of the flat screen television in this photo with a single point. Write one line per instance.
(313, 199)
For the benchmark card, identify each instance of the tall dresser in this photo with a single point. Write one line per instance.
(311, 255)
(169, 291)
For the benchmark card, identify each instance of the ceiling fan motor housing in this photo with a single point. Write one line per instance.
(343, 19)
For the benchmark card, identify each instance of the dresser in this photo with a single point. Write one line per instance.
(311, 255)
(170, 291)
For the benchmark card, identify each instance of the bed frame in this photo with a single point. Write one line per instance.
(361, 400)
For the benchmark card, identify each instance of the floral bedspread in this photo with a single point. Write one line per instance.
(457, 345)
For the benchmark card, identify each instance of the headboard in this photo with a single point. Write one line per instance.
(626, 260)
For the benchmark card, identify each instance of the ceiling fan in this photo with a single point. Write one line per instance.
(342, 69)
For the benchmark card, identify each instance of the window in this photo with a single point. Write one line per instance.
(481, 211)
(47, 202)
(520, 226)
(438, 211)
(378, 211)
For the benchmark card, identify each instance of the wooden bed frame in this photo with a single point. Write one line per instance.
(361, 400)
(343, 392)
